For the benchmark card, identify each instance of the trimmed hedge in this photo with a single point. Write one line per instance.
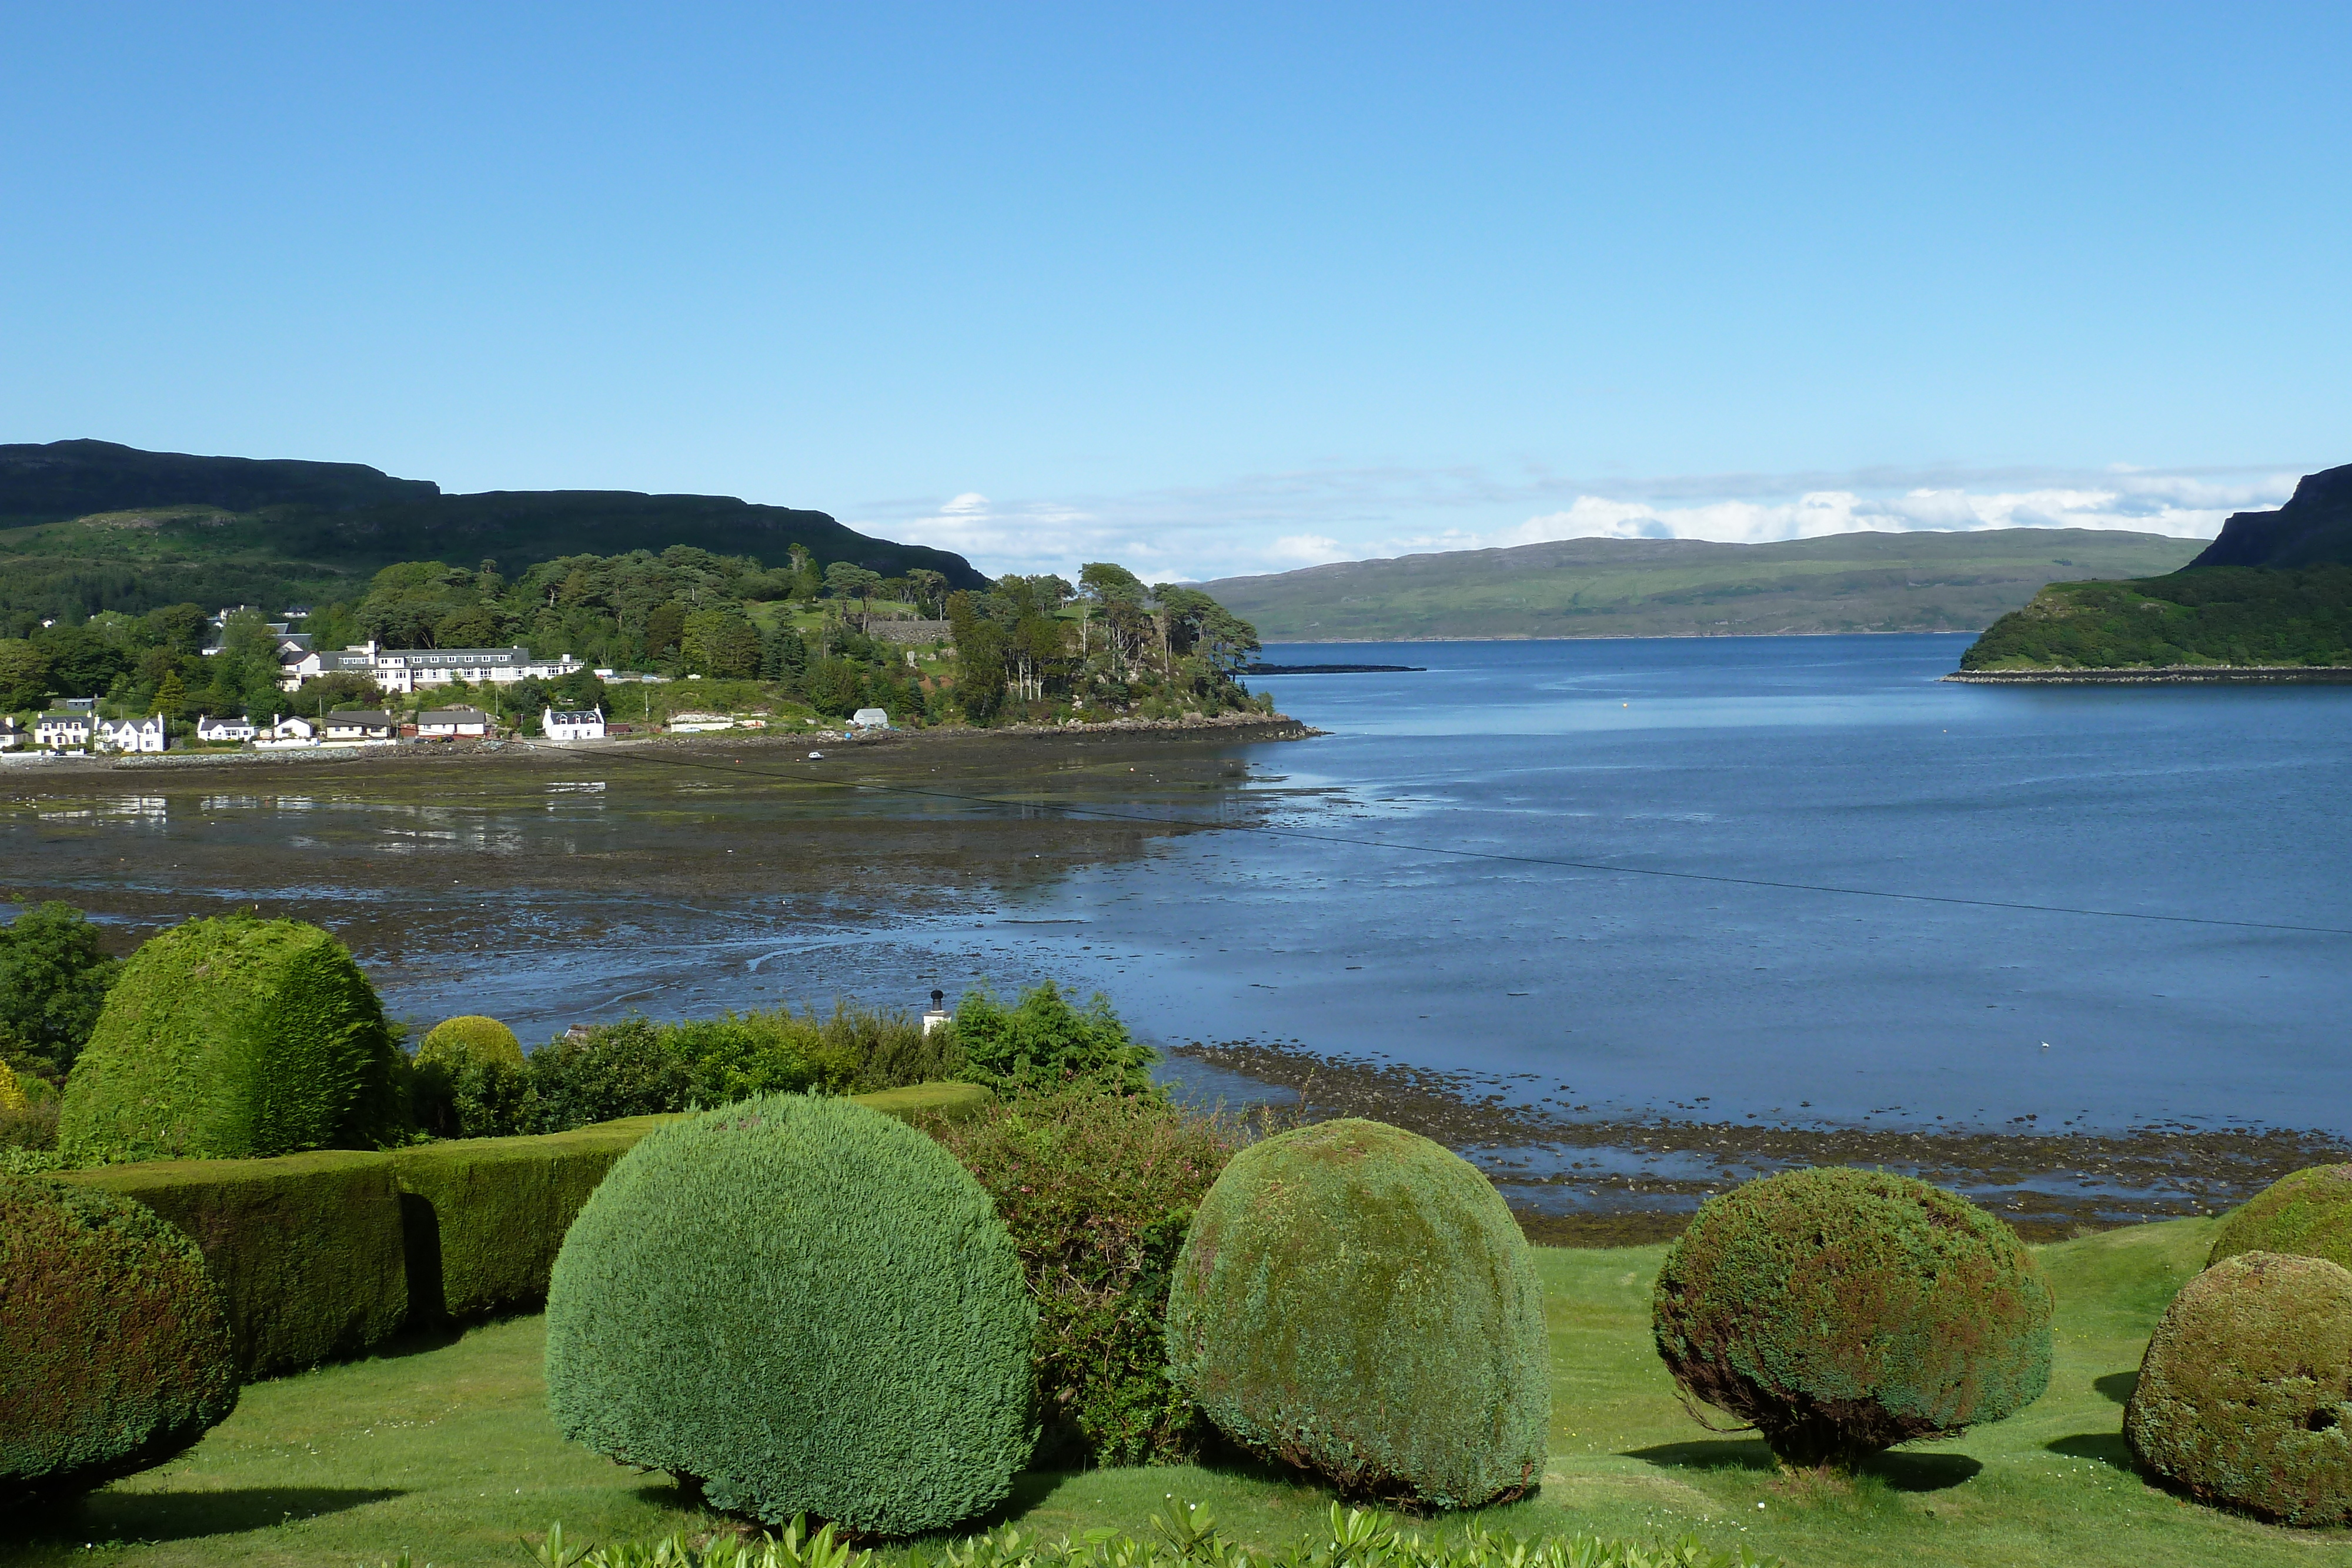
(797, 1305)
(2246, 1395)
(1357, 1299)
(2308, 1215)
(306, 1249)
(327, 1255)
(234, 1039)
(485, 1217)
(1842, 1311)
(114, 1355)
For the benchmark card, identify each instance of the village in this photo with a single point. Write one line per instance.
(75, 726)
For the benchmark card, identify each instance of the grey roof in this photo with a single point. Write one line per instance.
(573, 716)
(361, 715)
(452, 715)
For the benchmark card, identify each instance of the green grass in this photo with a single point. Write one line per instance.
(448, 1452)
(1680, 588)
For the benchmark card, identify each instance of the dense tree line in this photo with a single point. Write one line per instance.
(1106, 646)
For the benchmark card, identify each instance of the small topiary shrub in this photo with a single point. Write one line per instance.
(231, 1039)
(1356, 1300)
(1841, 1311)
(468, 1081)
(2246, 1395)
(2308, 1215)
(1097, 1191)
(114, 1355)
(472, 1038)
(798, 1305)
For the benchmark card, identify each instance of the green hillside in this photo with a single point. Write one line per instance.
(1686, 588)
(2274, 591)
(87, 525)
(2232, 615)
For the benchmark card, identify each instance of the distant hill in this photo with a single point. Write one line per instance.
(2314, 529)
(1687, 588)
(89, 524)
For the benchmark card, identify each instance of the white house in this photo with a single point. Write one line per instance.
(130, 733)
(284, 734)
(359, 725)
(215, 730)
(12, 733)
(412, 669)
(698, 723)
(586, 724)
(67, 731)
(870, 718)
(453, 723)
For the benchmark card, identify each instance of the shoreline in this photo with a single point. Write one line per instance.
(1223, 728)
(2048, 1187)
(2163, 675)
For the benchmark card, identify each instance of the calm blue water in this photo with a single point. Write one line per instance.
(1342, 928)
(1840, 761)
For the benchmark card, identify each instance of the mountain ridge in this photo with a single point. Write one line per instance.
(1599, 587)
(88, 525)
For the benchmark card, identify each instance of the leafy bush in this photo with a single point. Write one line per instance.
(111, 1336)
(2245, 1394)
(843, 1283)
(28, 1112)
(2308, 1214)
(1842, 1311)
(231, 1039)
(605, 1073)
(53, 981)
(1358, 1301)
(1097, 1191)
(469, 1079)
(1184, 1535)
(1044, 1042)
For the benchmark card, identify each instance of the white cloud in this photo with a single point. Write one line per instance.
(1279, 522)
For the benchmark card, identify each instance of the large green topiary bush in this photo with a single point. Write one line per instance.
(231, 1039)
(2246, 1395)
(2308, 1214)
(1843, 1311)
(114, 1353)
(1356, 1300)
(802, 1306)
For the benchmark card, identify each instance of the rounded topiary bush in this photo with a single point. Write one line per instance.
(1840, 1312)
(114, 1350)
(1356, 1300)
(2246, 1395)
(800, 1306)
(233, 1039)
(472, 1038)
(2308, 1214)
(469, 1080)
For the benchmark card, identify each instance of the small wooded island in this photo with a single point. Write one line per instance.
(2270, 599)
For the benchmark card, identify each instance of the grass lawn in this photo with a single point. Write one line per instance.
(448, 1452)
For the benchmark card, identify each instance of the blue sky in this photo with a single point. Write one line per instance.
(1206, 289)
